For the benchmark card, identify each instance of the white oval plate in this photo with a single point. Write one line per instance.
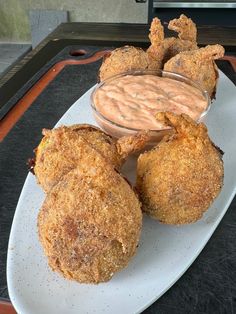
(164, 254)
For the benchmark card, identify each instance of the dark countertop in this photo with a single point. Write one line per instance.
(209, 284)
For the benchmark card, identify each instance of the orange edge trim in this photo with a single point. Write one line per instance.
(232, 61)
(7, 123)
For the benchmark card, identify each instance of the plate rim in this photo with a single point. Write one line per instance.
(12, 294)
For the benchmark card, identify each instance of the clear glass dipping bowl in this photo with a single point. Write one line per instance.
(117, 130)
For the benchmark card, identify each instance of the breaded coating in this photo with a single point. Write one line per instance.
(156, 34)
(90, 222)
(187, 37)
(162, 49)
(173, 46)
(60, 150)
(199, 66)
(155, 52)
(179, 179)
(129, 58)
(121, 60)
(185, 28)
(128, 145)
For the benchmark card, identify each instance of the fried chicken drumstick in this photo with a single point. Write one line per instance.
(179, 179)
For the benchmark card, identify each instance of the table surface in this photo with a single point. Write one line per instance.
(208, 286)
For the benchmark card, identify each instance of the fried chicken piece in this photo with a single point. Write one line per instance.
(155, 52)
(199, 66)
(179, 179)
(187, 37)
(60, 150)
(123, 59)
(90, 223)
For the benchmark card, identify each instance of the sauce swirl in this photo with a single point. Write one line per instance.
(132, 101)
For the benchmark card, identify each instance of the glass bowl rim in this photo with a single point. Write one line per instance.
(146, 72)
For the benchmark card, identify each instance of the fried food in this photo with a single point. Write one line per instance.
(156, 34)
(179, 179)
(123, 59)
(60, 150)
(199, 66)
(156, 52)
(162, 49)
(173, 46)
(185, 28)
(90, 222)
(187, 37)
(128, 58)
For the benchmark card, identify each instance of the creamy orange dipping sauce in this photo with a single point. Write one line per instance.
(133, 101)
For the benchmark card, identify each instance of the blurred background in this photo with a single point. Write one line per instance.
(16, 15)
(24, 23)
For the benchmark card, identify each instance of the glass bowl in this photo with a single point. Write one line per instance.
(118, 130)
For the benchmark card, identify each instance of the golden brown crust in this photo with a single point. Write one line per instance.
(155, 52)
(155, 57)
(185, 28)
(162, 49)
(198, 65)
(121, 60)
(178, 180)
(173, 46)
(60, 151)
(90, 222)
(128, 145)
(156, 34)
(128, 58)
(186, 41)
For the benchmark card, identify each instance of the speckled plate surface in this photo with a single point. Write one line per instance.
(164, 254)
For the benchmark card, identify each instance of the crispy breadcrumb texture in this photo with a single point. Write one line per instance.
(121, 60)
(60, 150)
(156, 34)
(128, 145)
(179, 179)
(185, 28)
(162, 49)
(90, 222)
(199, 66)
(187, 37)
(173, 46)
(129, 58)
(155, 52)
